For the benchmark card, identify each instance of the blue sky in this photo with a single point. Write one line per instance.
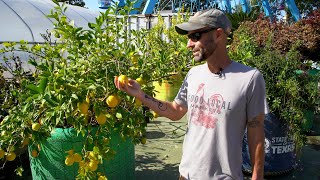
(92, 4)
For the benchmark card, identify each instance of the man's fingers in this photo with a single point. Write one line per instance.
(116, 82)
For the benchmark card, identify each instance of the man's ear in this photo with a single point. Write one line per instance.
(219, 33)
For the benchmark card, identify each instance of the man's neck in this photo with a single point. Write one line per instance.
(217, 65)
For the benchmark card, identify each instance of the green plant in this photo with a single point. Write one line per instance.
(289, 94)
(73, 83)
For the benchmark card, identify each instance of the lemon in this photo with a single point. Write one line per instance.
(1, 153)
(123, 79)
(82, 171)
(102, 178)
(34, 153)
(92, 155)
(143, 140)
(101, 119)
(155, 115)
(83, 107)
(93, 166)
(36, 126)
(134, 58)
(69, 160)
(70, 152)
(140, 81)
(82, 163)
(11, 156)
(137, 103)
(113, 101)
(77, 157)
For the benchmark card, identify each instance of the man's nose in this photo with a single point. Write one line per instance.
(190, 44)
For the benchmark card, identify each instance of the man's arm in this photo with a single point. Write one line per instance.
(255, 130)
(171, 110)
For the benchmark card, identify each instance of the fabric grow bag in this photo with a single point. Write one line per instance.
(279, 148)
(50, 162)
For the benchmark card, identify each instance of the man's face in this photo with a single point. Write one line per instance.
(202, 43)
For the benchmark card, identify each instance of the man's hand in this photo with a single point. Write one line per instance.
(132, 87)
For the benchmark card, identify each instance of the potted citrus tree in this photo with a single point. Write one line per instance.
(74, 120)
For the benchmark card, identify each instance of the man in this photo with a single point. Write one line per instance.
(221, 98)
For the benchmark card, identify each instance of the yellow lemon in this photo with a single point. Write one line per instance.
(102, 178)
(36, 126)
(34, 153)
(143, 140)
(101, 119)
(134, 58)
(137, 103)
(82, 171)
(84, 107)
(1, 153)
(140, 81)
(77, 157)
(11, 156)
(92, 155)
(113, 101)
(70, 152)
(93, 166)
(123, 79)
(155, 115)
(69, 160)
(82, 163)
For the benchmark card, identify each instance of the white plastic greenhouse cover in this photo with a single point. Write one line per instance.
(26, 19)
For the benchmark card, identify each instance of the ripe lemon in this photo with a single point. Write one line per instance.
(123, 79)
(82, 171)
(143, 140)
(36, 126)
(77, 157)
(82, 163)
(140, 81)
(113, 101)
(1, 153)
(93, 166)
(137, 103)
(134, 58)
(11, 156)
(70, 152)
(101, 119)
(34, 153)
(102, 178)
(155, 115)
(69, 160)
(83, 107)
(92, 155)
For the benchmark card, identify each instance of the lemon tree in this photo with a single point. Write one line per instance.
(73, 84)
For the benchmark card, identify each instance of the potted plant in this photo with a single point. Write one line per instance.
(290, 95)
(72, 97)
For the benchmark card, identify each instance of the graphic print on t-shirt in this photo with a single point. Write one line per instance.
(204, 112)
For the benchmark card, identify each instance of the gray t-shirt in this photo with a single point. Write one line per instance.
(218, 108)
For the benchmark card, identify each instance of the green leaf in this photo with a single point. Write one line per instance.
(33, 88)
(50, 101)
(43, 84)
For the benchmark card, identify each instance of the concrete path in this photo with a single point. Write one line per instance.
(159, 158)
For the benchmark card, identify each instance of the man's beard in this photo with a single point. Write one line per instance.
(205, 53)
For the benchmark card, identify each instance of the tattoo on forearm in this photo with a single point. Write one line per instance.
(254, 123)
(162, 106)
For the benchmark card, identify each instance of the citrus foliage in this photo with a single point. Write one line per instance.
(73, 84)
